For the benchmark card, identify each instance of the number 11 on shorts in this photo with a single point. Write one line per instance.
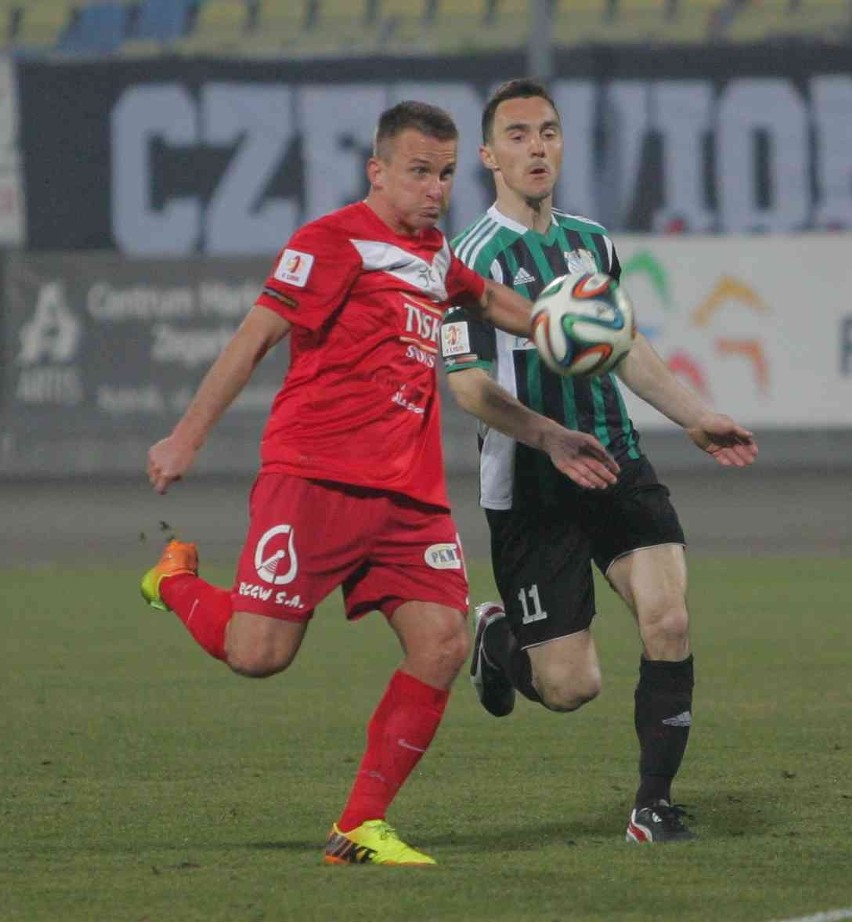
(531, 605)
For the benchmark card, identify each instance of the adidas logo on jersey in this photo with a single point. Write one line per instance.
(522, 277)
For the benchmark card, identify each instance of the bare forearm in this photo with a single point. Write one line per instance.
(228, 375)
(506, 309)
(499, 410)
(224, 381)
(645, 373)
(577, 455)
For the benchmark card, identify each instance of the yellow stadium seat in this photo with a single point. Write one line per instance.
(7, 20)
(220, 25)
(827, 19)
(278, 25)
(402, 21)
(577, 22)
(42, 22)
(332, 27)
(638, 21)
(760, 20)
(459, 25)
(509, 25)
(692, 21)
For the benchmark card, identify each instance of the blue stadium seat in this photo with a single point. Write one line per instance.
(98, 29)
(162, 20)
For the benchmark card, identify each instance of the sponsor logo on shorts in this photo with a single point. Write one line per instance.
(294, 268)
(275, 556)
(455, 339)
(443, 557)
(267, 594)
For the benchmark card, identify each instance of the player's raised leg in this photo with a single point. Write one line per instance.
(494, 689)
(173, 584)
(251, 644)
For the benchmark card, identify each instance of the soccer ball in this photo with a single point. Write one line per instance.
(583, 324)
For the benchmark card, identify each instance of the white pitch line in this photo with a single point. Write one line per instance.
(832, 915)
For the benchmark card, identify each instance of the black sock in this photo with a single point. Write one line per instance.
(502, 650)
(662, 716)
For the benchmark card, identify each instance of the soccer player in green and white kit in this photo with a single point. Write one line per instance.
(545, 529)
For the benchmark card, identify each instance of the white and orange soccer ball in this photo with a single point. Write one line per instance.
(583, 324)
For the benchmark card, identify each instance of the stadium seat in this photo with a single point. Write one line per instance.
(279, 22)
(98, 28)
(339, 25)
(760, 20)
(638, 21)
(579, 21)
(830, 20)
(315, 26)
(459, 25)
(8, 17)
(41, 23)
(220, 25)
(693, 21)
(162, 20)
(509, 25)
(402, 22)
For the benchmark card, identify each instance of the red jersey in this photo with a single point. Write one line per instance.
(360, 403)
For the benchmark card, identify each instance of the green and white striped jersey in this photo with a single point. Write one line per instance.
(511, 474)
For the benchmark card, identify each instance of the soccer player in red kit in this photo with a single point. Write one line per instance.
(351, 487)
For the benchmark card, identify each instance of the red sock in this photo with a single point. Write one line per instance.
(204, 609)
(398, 734)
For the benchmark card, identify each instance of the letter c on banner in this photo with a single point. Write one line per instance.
(143, 114)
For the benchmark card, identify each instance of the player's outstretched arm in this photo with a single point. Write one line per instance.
(170, 458)
(648, 376)
(505, 308)
(579, 456)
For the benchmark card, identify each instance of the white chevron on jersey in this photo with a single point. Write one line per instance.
(431, 279)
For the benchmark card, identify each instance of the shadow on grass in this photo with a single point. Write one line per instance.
(717, 816)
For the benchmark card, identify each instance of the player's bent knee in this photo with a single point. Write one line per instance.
(450, 652)
(257, 646)
(568, 694)
(666, 633)
(258, 661)
(440, 660)
(259, 665)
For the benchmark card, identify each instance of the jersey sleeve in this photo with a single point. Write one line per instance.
(311, 276)
(466, 342)
(463, 284)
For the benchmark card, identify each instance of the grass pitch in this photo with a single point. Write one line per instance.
(141, 781)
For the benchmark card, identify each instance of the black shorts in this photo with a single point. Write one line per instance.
(542, 557)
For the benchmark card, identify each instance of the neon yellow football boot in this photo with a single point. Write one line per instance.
(177, 557)
(373, 842)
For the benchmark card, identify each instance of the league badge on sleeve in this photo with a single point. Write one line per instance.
(294, 268)
(455, 339)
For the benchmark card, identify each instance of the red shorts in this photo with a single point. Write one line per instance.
(307, 537)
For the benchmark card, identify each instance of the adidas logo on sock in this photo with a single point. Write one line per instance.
(522, 277)
(684, 719)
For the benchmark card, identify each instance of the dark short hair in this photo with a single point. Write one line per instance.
(419, 116)
(519, 88)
